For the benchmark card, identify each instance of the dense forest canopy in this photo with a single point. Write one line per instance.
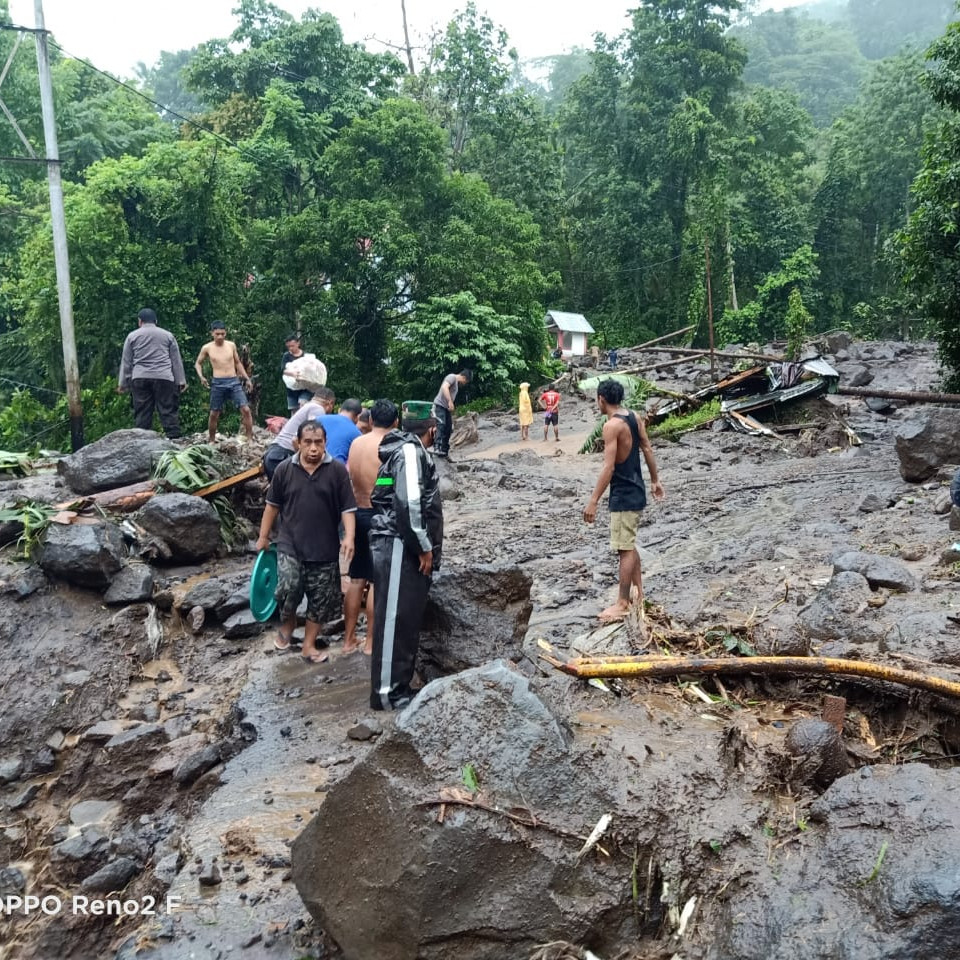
(407, 223)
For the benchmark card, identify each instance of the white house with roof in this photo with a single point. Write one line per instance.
(570, 331)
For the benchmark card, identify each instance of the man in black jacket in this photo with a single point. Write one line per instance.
(406, 537)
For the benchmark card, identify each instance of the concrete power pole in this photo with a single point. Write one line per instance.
(59, 222)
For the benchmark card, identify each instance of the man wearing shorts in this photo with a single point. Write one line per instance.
(550, 404)
(228, 373)
(311, 493)
(363, 465)
(624, 439)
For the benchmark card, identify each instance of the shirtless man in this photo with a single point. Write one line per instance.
(228, 372)
(363, 465)
(624, 439)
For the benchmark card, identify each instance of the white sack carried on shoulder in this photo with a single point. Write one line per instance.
(305, 373)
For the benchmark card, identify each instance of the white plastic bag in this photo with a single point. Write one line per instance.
(305, 373)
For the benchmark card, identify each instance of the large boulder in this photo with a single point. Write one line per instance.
(879, 571)
(837, 611)
(877, 878)
(88, 555)
(474, 614)
(925, 441)
(119, 458)
(472, 884)
(188, 525)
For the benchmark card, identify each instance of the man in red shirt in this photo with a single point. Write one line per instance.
(550, 403)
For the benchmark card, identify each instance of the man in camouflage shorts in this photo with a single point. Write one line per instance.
(312, 494)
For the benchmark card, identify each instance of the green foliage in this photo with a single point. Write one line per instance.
(34, 518)
(680, 423)
(451, 333)
(233, 528)
(863, 198)
(820, 63)
(27, 424)
(765, 317)
(189, 469)
(797, 323)
(17, 463)
(468, 775)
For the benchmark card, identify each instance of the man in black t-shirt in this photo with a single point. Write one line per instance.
(312, 493)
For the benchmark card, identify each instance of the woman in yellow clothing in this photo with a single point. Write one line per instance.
(526, 411)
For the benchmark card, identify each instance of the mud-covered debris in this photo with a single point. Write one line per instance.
(187, 524)
(133, 584)
(88, 555)
(166, 869)
(120, 458)
(365, 730)
(25, 797)
(12, 881)
(11, 769)
(89, 812)
(879, 571)
(819, 744)
(112, 876)
(198, 764)
(210, 874)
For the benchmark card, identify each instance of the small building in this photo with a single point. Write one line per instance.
(570, 330)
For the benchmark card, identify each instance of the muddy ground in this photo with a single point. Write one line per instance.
(99, 706)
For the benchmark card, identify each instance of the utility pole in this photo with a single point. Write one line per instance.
(59, 223)
(706, 250)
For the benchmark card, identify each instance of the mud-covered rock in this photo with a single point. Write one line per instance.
(474, 615)
(26, 583)
(133, 584)
(925, 440)
(197, 764)
(11, 769)
(837, 610)
(208, 593)
(242, 624)
(119, 458)
(188, 525)
(927, 635)
(879, 571)
(820, 746)
(483, 895)
(88, 555)
(112, 876)
(874, 879)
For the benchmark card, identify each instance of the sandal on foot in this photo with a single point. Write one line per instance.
(318, 656)
(281, 641)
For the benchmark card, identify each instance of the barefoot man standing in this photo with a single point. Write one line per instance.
(624, 439)
(363, 465)
(228, 372)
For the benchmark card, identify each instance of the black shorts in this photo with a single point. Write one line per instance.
(549, 418)
(361, 567)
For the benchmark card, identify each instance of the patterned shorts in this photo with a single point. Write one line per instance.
(319, 581)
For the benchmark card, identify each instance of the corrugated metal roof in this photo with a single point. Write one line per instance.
(568, 322)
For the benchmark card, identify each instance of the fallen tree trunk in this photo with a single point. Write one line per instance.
(910, 396)
(587, 668)
(666, 336)
(690, 352)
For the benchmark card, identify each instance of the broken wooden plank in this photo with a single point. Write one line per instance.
(229, 482)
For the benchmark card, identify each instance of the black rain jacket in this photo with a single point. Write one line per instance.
(406, 496)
